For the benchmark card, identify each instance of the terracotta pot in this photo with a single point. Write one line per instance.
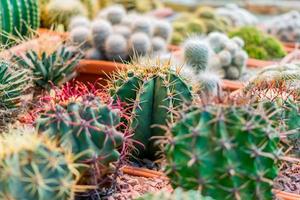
(255, 63)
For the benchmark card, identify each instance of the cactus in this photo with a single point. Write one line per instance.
(210, 84)
(142, 24)
(163, 29)
(79, 21)
(258, 44)
(80, 36)
(139, 44)
(229, 152)
(152, 91)
(33, 167)
(177, 194)
(122, 30)
(48, 70)
(101, 29)
(61, 12)
(116, 48)
(159, 45)
(18, 18)
(196, 54)
(115, 14)
(85, 126)
(93, 54)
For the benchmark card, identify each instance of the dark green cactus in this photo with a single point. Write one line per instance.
(85, 126)
(48, 70)
(18, 18)
(33, 167)
(177, 194)
(152, 92)
(228, 152)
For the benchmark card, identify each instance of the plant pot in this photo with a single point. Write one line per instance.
(255, 63)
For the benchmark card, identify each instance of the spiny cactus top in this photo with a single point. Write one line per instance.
(48, 70)
(227, 152)
(152, 91)
(87, 126)
(12, 85)
(177, 194)
(18, 18)
(33, 167)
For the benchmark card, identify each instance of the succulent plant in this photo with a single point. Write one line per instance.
(61, 12)
(152, 92)
(196, 54)
(115, 14)
(177, 194)
(85, 125)
(80, 36)
(142, 24)
(159, 45)
(48, 70)
(18, 18)
(139, 44)
(210, 84)
(101, 29)
(116, 48)
(93, 54)
(80, 21)
(163, 29)
(34, 167)
(258, 44)
(229, 152)
(122, 30)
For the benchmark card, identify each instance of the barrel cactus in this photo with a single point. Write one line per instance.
(48, 70)
(85, 126)
(177, 194)
(34, 167)
(18, 18)
(229, 152)
(152, 91)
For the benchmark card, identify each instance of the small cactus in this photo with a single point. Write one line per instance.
(116, 48)
(115, 14)
(163, 29)
(227, 151)
(225, 57)
(101, 29)
(210, 84)
(159, 45)
(122, 30)
(196, 54)
(93, 54)
(142, 24)
(80, 36)
(177, 194)
(79, 21)
(139, 44)
(34, 167)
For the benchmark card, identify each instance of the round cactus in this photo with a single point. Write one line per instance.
(226, 151)
(142, 24)
(239, 41)
(163, 29)
(232, 72)
(159, 45)
(231, 46)
(81, 36)
(79, 21)
(210, 84)
(139, 44)
(115, 14)
(196, 54)
(34, 167)
(122, 30)
(240, 58)
(116, 48)
(217, 41)
(93, 54)
(225, 57)
(101, 29)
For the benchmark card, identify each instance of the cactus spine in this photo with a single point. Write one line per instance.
(228, 152)
(33, 167)
(18, 18)
(85, 126)
(152, 91)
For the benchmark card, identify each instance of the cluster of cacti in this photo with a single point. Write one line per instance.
(237, 16)
(203, 21)
(117, 36)
(177, 194)
(34, 167)
(85, 126)
(152, 92)
(228, 59)
(49, 70)
(227, 151)
(258, 44)
(59, 13)
(18, 19)
(285, 27)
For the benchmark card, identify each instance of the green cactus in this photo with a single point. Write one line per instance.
(177, 194)
(33, 167)
(48, 70)
(258, 44)
(152, 92)
(18, 18)
(85, 126)
(229, 152)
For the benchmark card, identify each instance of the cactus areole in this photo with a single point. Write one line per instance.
(153, 93)
(227, 152)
